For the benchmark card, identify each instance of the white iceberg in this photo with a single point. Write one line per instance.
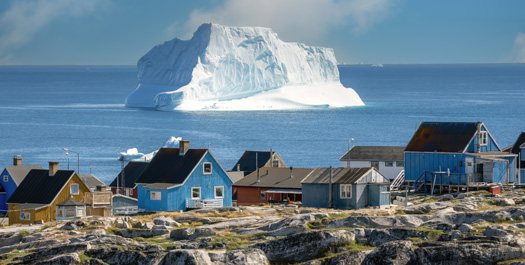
(133, 154)
(238, 68)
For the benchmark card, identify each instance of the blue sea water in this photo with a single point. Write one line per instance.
(44, 109)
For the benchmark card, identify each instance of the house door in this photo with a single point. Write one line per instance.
(469, 169)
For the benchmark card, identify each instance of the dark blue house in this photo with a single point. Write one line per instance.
(518, 148)
(183, 178)
(347, 188)
(10, 179)
(456, 153)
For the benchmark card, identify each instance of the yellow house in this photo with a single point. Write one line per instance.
(37, 197)
(250, 161)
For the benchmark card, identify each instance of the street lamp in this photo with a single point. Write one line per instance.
(78, 158)
(351, 139)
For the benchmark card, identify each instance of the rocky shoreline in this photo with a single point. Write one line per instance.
(473, 228)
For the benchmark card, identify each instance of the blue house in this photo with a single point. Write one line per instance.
(442, 154)
(183, 178)
(345, 188)
(518, 148)
(10, 179)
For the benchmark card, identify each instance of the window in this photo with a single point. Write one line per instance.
(263, 195)
(400, 163)
(219, 192)
(195, 193)
(6, 178)
(73, 189)
(155, 196)
(206, 168)
(346, 191)
(275, 163)
(70, 212)
(25, 216)
(130, 192)
(483, 138)
(375, 164)
(389, 163)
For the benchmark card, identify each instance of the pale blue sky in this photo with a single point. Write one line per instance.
(119, 32)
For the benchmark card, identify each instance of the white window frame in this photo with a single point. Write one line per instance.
(374, 162)
(204, 168)
(219, 188)
(389, 163)
(71, 189)
(400, 162)
(263, 195)
(193, 197)
(25, 216)
(345, 191)
(153, 196)
(130, 192)
(483, 138)
(6, 178)
(274, 163)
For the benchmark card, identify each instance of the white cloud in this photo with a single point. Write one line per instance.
(519, 48)
(24, 18)
(297, 20)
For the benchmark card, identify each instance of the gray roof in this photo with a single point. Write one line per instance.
(29, 206)
(339, 175)
(379, 153)
(275, 177)
(70, 203)
(91, 181)
(18, 173)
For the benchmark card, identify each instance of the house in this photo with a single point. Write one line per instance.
(518, 148)
(271, 185)
(38, 196)
(345, 188)
(91, 181)
(183, 178)
(70, 209)
(124, 205)
(464, 154)
(11, 177)
(388, 160)
(125, 181)
(253, 160)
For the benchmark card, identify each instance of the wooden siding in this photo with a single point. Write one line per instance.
(122, 191)
(491, 143)
(250, 196)
(9, 188)
(175, 199)
(315, 195)
(417, 163)
(49, 213)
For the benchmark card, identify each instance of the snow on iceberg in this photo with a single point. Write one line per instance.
(238, 68)
(134, 155)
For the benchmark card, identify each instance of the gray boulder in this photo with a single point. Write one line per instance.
(445, 197)
(246, 256)
(495, 231)
(395, 252)
(187, 256)
(425, 207)
(120, 223)
(466, 228)
(505, 202)
(70, 258)
(9, 239)
(190, 233)
(166, 221)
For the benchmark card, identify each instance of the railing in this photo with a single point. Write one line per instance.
(97, 198)
(398, 181)
(125, 210)
(190, 203)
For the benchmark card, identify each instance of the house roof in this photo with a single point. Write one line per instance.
(275, 177)
(518, 144)
(91, 181)
(251, 160)
(70, 203)
(339, 175)
(453, 137)
(40, 188)
(18, 173)
(380, 153)
(131, 173)
(167, 166)
(29, 206)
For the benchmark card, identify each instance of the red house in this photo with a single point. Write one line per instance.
(271, 185)
(124, 183)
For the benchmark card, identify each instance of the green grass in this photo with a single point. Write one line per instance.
(24, 233)
(8, 257)
(319, 223)
(163, 242)
(83, 257)
(232, 240)
(113, 231)
(518, 219)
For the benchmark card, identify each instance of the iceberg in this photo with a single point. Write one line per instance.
(238, 68)
(133, 154)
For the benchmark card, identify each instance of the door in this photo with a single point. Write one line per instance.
(469, 168)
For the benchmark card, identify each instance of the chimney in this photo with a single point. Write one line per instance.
(101, 188)
(291, 169)
(478, 132)
(238, 167)
(17, 160)
(53, 167)
(184, 145)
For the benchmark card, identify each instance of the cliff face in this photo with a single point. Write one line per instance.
(222, 63)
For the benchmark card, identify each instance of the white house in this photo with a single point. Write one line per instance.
(388, 160)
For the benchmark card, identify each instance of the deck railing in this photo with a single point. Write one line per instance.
(125, 210)
(398, 181)
(198, 203)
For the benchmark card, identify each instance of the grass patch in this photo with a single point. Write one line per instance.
(227, 214)
(24, 233)
(319, 223)
(232, 240)
(113, 231)
(83, 257)
(519, 219)
(511, 261)
(163, 242)
(428, 199)
(8, 258)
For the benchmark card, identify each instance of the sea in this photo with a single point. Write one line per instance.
(44, 109)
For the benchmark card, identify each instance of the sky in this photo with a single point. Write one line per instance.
(119, 32)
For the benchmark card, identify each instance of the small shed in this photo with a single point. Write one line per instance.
(70, 209)
(124, 205)
(345, 188)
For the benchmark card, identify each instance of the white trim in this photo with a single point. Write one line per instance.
(487, 130)
(72, 174)
(26, 216)
(480, 138)
(347, 188)
(215, 192)
(6, 178)
(71, 189)
(196, 188)
(154, 198)
(204, 168)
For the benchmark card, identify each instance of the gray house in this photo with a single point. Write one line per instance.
(345, 188)
(388, 160)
